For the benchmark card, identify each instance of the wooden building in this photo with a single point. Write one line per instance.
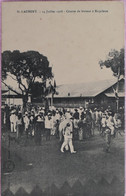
(9, 97)
(92, 94)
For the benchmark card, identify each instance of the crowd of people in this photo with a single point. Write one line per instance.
(65, 124)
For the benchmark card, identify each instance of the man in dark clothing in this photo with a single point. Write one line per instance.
(76, 114)
(76, 120)
(38, 129)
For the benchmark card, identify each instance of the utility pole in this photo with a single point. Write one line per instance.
(52, 100)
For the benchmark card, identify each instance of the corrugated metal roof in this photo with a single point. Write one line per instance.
(90, 89)
(5, 89)
(9, 93)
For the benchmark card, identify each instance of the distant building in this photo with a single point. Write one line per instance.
(9, 97)
(93, 94)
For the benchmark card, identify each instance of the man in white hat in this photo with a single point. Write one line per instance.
(62, 126)
(57, 115)
(67, 114)
(110, 123)
(68, 135)
(13, 120)
(103, 124)
(48, 125)
(26, 122)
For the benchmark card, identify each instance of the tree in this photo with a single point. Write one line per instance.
(115, 61)
(24, 68)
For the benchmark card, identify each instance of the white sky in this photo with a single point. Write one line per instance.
(73, 42)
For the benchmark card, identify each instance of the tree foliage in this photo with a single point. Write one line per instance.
(115, 61)
(25, 68)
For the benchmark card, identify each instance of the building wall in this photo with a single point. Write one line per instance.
(70, 102)
(99, 101)
(14, 101)
(104, 101)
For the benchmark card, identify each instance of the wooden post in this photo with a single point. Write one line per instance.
(9, 97)
(117, 90)
(117, 103)
(52, 100)
(29, 98)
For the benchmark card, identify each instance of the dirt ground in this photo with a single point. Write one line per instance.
(45, 164)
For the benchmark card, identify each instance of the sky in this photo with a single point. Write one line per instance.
(73, 42)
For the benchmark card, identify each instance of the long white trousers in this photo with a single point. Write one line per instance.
(13, 127)
(67, 142)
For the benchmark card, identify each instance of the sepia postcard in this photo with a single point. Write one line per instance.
(62, 98)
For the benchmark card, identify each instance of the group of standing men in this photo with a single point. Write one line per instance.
(65, 124)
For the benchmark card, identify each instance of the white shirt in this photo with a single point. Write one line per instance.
(26, 120)
(48, 123)
(97, 115)
(57, 116)
(13, 118)
(110, 122)
(68, 115)
(103, 122)
(68, 133)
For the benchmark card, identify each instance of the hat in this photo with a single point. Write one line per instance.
(110, 113)
(68, 124)
(13, 111)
